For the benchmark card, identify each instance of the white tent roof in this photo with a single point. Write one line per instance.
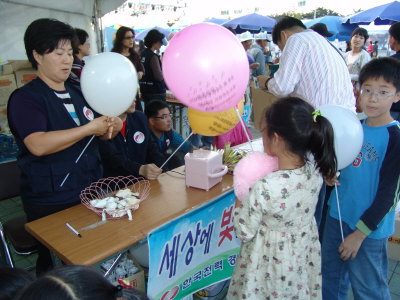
(16, 15)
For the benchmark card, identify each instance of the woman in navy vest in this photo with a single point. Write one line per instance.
(152, 85)
(52, 123)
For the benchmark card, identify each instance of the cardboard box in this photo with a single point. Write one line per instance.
(136, 280)
(7, 86)
(14, 65)
(24, 76)
(394, 241)
(261, 101)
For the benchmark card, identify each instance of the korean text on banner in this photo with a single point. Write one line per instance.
(194, 251)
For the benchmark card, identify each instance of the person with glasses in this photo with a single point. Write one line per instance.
(124, 44)
(167, 139)
(81, 49)
(132, 151)
(368, 193)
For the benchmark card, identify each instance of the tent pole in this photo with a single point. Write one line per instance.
(98, 26)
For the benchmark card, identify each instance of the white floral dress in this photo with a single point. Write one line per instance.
(280, 254)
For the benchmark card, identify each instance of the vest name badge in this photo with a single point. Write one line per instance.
(88, 113)
(138, 137)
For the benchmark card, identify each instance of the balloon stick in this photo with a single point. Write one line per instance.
(176, 150)
(65, 178)
(244, 128)
(340, 215)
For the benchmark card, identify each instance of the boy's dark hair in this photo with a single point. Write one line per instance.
(283, 24)
(70, 283)
(394, 31)
(386, 67)
(361, 31)
(153, 107)
(82, 36)
(12, 281)
(119, 37)
(44, 35)
(152, 37)
(291, 118)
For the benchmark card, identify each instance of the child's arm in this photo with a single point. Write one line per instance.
(352, 243)
(388, 191)
(247, 215)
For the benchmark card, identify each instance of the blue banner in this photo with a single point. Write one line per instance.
(193, 251)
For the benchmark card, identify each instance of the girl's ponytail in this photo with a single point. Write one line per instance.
(321, 145)
(304, 130)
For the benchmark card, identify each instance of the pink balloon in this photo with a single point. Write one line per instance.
(206, 67)
(249, 169)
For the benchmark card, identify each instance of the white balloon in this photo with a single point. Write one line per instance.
(348, 133)
(109, 83)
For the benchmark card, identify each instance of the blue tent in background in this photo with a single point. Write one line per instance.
(385, 14)
(216, 21)
(141, 35)
(252, 22)
(340, 31)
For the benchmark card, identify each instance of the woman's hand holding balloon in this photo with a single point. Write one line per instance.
(100, 126)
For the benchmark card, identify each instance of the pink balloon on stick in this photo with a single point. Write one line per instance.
(206, 67)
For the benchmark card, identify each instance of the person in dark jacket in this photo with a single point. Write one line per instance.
(394, 42)
(167, 139)
(52, 125)
(152, 85)
(132, 151)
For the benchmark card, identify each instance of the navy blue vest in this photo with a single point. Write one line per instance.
(42, 176)
(148, 84)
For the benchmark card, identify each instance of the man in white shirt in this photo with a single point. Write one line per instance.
(310, 67)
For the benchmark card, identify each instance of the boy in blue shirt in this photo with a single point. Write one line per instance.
(368, 195)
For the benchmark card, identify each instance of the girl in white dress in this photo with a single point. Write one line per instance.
(280, 252)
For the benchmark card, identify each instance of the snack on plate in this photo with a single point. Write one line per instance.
(115, 197)
(124, 199)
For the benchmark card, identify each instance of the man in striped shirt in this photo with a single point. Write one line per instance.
(310, 67)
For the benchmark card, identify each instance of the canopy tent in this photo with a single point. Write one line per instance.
(16, 15)
(216, 21)
(340, 31)
(252, 22)
(141, 35)
(385, 14)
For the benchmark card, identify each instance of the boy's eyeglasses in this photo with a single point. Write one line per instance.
(380, 95)
(164, 116)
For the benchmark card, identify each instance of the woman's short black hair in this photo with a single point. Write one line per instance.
(152, 37)
(44, 35)
(153, 107)
(70, 283)
(361, 31)
(283, 24)
(386, 67)
(394, 31)
(81, 36)
(12, 282)
(119, 38)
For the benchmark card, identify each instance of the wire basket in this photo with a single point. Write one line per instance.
(108, 187)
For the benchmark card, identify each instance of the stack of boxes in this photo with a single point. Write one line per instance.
(13, 74)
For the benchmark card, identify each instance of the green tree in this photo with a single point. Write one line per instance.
(320, 12)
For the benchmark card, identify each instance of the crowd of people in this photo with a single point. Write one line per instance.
(282, 220)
